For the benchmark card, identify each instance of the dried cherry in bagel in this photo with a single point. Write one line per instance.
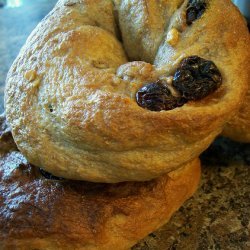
(196, 78)
(195, 10)
(157, 97)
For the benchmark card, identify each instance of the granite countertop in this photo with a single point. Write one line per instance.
(217, 216)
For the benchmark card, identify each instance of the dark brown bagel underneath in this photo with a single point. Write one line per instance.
(40, 213)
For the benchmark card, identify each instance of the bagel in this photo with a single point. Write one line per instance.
(238, 127)
(39, 211)
(76, 96)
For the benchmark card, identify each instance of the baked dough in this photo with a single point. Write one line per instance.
(46, 214)
(238, 128)
(70, 94)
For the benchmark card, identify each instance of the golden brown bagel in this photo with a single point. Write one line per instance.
(70, 94)
(46, 214)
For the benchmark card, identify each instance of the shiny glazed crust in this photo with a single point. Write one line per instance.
(43, 214)
(76, 114)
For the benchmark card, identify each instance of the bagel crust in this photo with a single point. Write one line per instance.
(238, 127)
(70, 94)
(46, 214)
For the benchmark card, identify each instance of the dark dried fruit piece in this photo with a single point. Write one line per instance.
(196, 78)
(157, 97)
(195, 10)
(49, 176)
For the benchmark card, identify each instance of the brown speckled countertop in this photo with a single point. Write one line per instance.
(218, 215)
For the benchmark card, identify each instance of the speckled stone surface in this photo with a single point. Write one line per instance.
(218, 216)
